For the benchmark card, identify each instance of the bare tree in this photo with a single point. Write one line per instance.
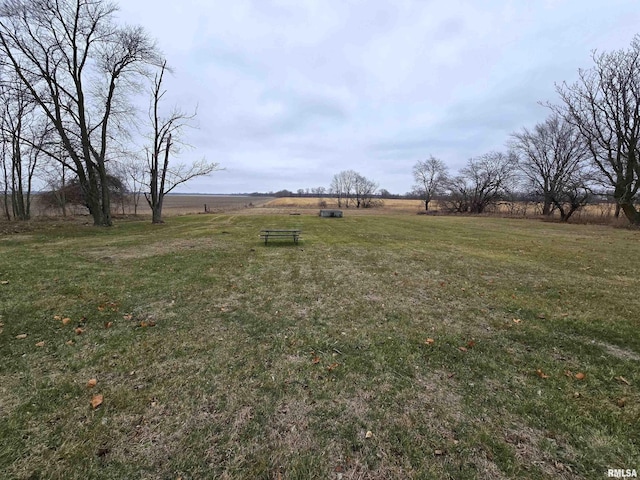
(430, 176)
(133, 174)
(342, 186)
(553, 157)
(577, 193)
(163, 177)
(364, 189)
(604, 104)
(25, 132)
(4, 161)
(55, 175)
(79, 66)
(484, 181)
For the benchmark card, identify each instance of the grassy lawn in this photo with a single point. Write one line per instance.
(380, 347)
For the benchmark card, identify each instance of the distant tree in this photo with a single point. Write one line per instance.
(79, 66)
(283, 193)
(133, 175)
(23, 133)
(430, 176)
(364, 190)
(604, 105)
(384, 193)
(342, 186)
(163, 176)
(56, 177)
(71, 193)
(483, 182)
(553, 156)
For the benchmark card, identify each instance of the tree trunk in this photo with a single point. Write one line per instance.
(631, 213)
(156, 215)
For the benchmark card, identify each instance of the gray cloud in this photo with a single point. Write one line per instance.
(291, 92)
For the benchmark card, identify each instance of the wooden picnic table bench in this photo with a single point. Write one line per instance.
(279, 233)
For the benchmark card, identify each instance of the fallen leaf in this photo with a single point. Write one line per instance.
(462, 349)
(517, 321)
(577, 394)
(471, 344)
(101, 308)
(332, 366)
(128, 316)
(4, 282)
(144, 324)
(541, 374)
(621, 402)
(315, 360)
(66, 320)
(40, 344)
(623, 380)
(22, 336)
(369, 434)
(152, 323)
(580, 376)
(542, 316)
(108, 324)
(429, 341)
(568, 373)
(92, 383)
(439, 452)
(79, 331)
(69, 342)
(96, 401)
(57, 317)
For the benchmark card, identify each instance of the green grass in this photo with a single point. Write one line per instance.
(275, 361)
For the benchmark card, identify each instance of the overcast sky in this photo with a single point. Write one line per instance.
(290, 92)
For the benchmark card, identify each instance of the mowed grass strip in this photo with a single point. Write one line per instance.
(378, 347)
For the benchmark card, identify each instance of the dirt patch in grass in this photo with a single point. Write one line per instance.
(119, 253)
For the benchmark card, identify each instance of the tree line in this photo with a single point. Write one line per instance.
(69, 76)
(588, 145)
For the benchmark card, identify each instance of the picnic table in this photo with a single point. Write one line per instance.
(279, 233)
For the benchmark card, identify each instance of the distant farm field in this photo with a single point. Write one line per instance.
(598, 213)
(380, 347)
(179, 204)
